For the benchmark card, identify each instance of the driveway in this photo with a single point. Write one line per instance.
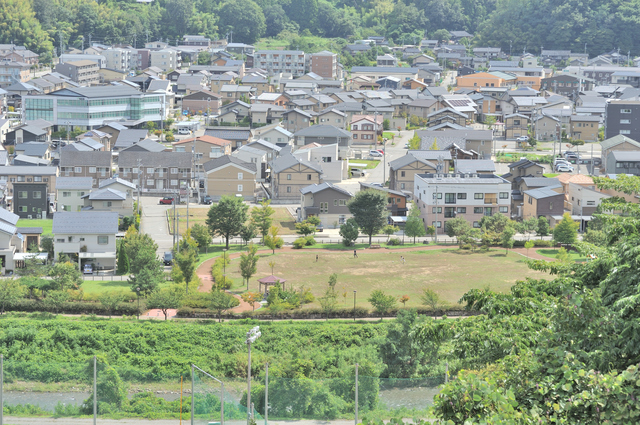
(154, 223)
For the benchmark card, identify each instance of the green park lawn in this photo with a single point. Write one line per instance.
(551, 253)
(46, 225)
(369, 163)
(281, 219)
(450, 272)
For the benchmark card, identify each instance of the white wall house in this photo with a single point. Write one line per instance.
(70, 190)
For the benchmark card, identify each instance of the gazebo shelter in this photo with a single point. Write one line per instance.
(270, 281)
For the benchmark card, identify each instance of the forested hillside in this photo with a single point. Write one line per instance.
(531, 24)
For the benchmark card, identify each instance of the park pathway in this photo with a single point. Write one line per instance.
(206, 280)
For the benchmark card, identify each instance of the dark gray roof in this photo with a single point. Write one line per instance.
(148, 145)
(91, 143)
(315, 188)
(129, 159)
(540, 181)
(108, 194)
(29, 160)
(235, 134)
(383, 189)
(408, 159)
(82, 223)
(626, 156)
(228, 159)
(71, 158)
(28, 170)
(8, 216)
(74, 183)
(322, 131)
(128, 137)
(522, 163)
(29, 230)
(431, 155)
(386, 69)
(470, 166)
(287, 161)
(78, 146)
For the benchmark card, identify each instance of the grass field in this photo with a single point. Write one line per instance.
(46, 225)
(370, 163)
(281, 219)
(97, 287)
(551, 253)
(551, 175)
(449, 272)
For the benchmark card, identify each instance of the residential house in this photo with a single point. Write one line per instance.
(109, 199)
(296, 119)
(386, 60)
(445, 196)
(402, 170)
(543, 202)
(396, 200)
(252, 155)
(14, 72)
(264, 114)
(422, 108)
(70, 190)
(481, 79)
(30, 179)
(474, 166)
(583, 200)
(276, 135)
(546, 127)
(28, 237)
(128, 137)
(230, 176)
(276, 99)
(156, 172)
(327, 158)
(332, 116)
(562, 84)
(94, 164)
(34, 149)
(516, 125)
(229, 92)
(146, 145)
(88, 236)
(100, 137)
(619, 143)
(327, 202)
(446, 115)
(324, 135)
(365, 129)
(10, 243)
(238, 136)
(523, 168)
(523, 184)
(119, 184)
(290, 174)
(623, 162)
(477, 143)
(234, 111)
(324, 64)
(584, 127)
(203, 149)
(32, 131)
(202, 101)
(621, 117)
(113, 129)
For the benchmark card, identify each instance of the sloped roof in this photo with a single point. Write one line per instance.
(228, 159)
(113, 180)
(407, 159)
(315, 188)
(229, 134)
(322, 131)
(617, 140)
(287, 161)
(79, 223)
(108, 194)
(469, 166)
(544, 192)
(541, 181)
(148, 145)
(71, 158)
(74, 183)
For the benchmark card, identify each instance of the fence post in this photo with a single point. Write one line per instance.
(266, 395)
(193, 374)
(356, 423)
(95, 390)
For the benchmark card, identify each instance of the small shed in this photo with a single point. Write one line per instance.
(270, 281)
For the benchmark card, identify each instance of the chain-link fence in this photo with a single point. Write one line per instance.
(65, 390)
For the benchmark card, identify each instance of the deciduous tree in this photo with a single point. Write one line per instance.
(165, 299)
(261, 217)
(566, 231)
(369, 209)
(349, 232)
(381, 302)
(221, 302)
(227, 217)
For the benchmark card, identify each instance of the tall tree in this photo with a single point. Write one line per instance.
(66, 276)
(123, 260)
(201, 235)
(566, 231)
(414, 227)
(543, 226)
(165, 299)
(227, 217)
(272, 240)
(262, 218)
(369, 209)
(187, 260)
(221, 302)
(349, 232)
(248, 263)
(245, 18)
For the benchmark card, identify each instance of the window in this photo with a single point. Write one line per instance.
(402, 186)
(78, 169)
(591, 203)
(23, 208)
(504, 195)
(69, 238)
(239, 188)
(438, 194)
(80, 194)
(355, 136)
(342, 202)
(37, 178)
(402, 174)
(478, 196)
(23, 194)
(150, 170)
(477, 210)
(462, 196)
(66, 194)
(516, 122)
(92, 170)
(174, 171)
(150, 182)
(488, 211)
(504, 209)
(449, 212)
(461, 210)
(342, 219)
(308, 176)
(625, 132)
(288, 189)
(288, 176)
(174, 182)
(434, 210)
(239, 176)
(106, 204)
(103, 240)
(436, 224)
(449, 198)
(37, 194)
(625, 121)
(551, 205)
(625, 111)
(324, 207)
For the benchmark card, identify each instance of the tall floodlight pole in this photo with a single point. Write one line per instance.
(252, 336)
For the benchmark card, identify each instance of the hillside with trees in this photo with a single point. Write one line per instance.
(42, 25)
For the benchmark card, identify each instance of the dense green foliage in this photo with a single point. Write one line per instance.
(510, 24)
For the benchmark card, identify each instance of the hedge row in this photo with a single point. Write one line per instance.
(315, 313)
(78, 307)
(536, 243)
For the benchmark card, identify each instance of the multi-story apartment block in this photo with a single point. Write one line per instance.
(28, 189)
(165, 59)
(14, 72)
(94, 164)
(281, 61)
(118, 58)
(325, 64)
(90, 107)
(621, 117)
(156, 172)
(442, 197)
(196, 40)
(83, 72)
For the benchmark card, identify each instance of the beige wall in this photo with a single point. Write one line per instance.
(72, 202)
(299, 179)
(398, 180)
(224, 181)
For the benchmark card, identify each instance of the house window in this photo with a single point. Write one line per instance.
(355, 136)
(449, 198)
(439, 195)
(92, 170)
(103, 240)
(504, 209)
(106, 204)
(436, 224)
(324, 207)
(625, 131)
(402, 186)
(78, 169)
(625, 121)
(478, 196)
(477, 210)
(461, 210)
(23, 208)
(433, 210)
(516, 122)
(37, 178)
(174, 171)
(66, 194)
(150, 170)
(341, 219)
(288, 176)
(591, 203)
(476, 225)
(342, 202)
(23, 194)
(504, 195)
(150, 182)
(625, 111)
(288, 189)
(239, 176)
(551, 205)
(462, 196)
(488, 211)
(37, 194)
(402, 174)
(308, 176)
(69, 238)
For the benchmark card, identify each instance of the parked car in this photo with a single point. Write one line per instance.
(377, 184)
(597, 161)
(375, 154)
(167, 200)
(87, 269)
(168, 258)
(320, 228)
(381, 151)
(522, 139)
(357, 172)
(564, 168)
(206, 200)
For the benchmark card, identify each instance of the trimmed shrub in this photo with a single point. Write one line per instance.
(299, 243)
(310, 241)
(394, 242)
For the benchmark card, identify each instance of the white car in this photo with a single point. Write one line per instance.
(564, 168)
(375, 154)
(522, 139)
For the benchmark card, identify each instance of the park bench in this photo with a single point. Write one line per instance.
(376, 246)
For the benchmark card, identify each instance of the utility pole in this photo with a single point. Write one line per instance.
(90, 45)
(436, 225)
(139, 164)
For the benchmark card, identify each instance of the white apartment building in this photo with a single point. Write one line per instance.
(165, 59)
(281, 61)
(441, 197)
(118, 58)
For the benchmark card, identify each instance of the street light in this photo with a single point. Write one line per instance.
(252, 335)
(354, 306)
(138, 291)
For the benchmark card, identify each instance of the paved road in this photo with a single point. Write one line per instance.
(154, 222)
